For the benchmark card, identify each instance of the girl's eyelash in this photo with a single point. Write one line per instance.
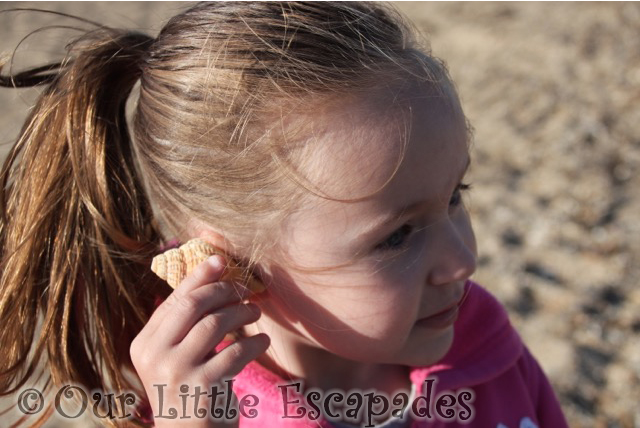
(457, 194)
(397, 240)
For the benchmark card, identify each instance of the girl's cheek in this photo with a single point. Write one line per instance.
(467, 233)
(403, 272)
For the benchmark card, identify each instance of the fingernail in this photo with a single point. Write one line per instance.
(216, 262)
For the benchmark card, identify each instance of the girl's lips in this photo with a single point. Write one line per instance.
(440, 320)
(447, 316)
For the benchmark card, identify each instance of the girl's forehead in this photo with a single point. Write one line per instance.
(355, 148)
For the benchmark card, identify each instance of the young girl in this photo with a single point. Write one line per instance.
(320, 147)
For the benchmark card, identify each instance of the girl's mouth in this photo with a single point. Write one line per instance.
(445, 317)
(442, 319)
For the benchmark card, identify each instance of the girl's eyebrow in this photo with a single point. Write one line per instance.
(407, 210)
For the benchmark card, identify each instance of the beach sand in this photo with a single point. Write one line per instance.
(552, 90)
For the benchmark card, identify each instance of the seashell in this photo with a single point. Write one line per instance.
(175, 264)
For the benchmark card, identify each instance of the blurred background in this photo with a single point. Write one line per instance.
(553, 92)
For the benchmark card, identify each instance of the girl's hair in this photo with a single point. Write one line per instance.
(84, 207)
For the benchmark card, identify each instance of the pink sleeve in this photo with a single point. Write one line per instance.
(548, 410)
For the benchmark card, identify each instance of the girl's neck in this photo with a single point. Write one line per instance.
(293, 357)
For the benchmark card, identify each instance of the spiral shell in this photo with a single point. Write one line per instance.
(175, 264)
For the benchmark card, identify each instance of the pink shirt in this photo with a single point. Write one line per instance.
(487, 379)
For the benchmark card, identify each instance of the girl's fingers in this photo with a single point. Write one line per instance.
(212, 328)
(188, 309)
(208, 271)
(231, 360)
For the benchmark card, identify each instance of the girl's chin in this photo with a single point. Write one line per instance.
(425, 351)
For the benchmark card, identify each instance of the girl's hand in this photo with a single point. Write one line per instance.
(177, 346)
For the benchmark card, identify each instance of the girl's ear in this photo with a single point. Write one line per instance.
(197, 229)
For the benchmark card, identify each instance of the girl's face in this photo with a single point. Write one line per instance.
(365, 279)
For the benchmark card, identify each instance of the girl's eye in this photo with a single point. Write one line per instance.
(397, 239)
(456, 198)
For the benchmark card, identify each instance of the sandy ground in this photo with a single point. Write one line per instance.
(553, 91)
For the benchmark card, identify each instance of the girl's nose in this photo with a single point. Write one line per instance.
(452, 255)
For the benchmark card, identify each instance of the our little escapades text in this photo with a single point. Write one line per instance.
(220, 403)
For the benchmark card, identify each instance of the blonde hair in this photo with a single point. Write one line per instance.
(85, 206)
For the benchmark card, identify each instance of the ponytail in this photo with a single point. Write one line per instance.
(76, 228)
